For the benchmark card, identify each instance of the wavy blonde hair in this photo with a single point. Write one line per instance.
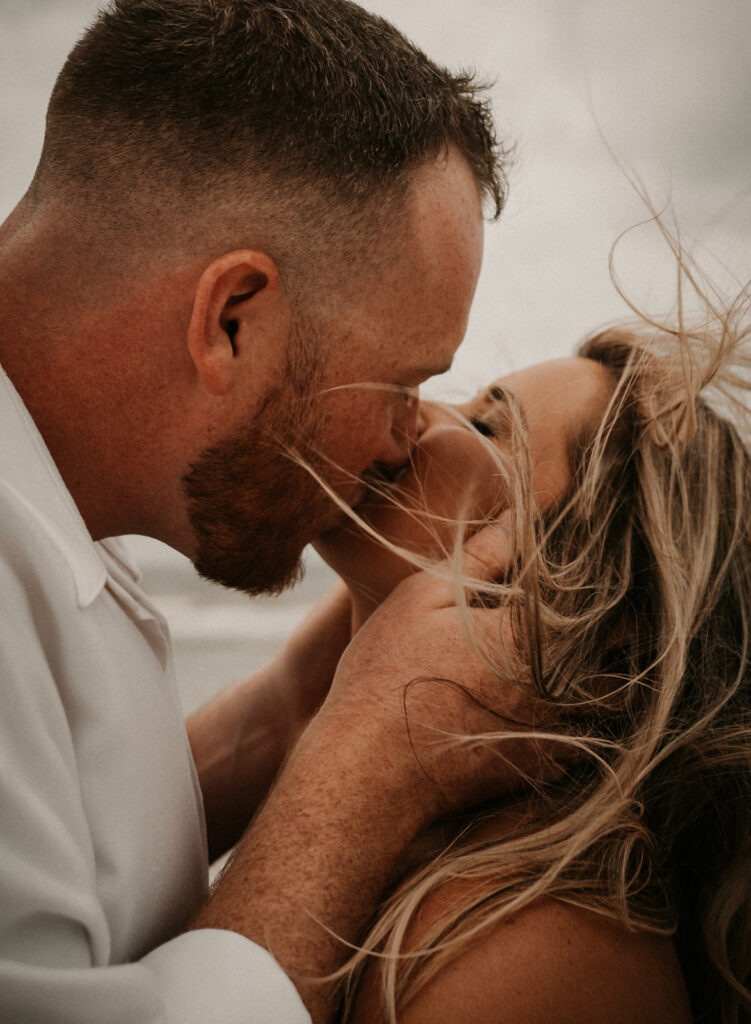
(631, 606)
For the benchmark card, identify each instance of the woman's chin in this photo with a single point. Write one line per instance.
(370, 570)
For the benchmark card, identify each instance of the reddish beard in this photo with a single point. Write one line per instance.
(252, 508)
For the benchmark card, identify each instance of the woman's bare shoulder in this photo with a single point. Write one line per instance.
(549, 962)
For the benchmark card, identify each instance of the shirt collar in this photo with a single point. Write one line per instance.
(26, 467)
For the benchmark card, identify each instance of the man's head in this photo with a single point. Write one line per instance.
(346, 404)
(257, 170)
(211, 123)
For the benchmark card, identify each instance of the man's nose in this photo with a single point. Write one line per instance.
(402, 437)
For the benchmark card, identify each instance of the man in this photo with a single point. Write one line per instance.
(254, 230)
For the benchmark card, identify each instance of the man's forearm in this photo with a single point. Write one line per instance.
(241, 737)
(311, 868)
(238, 740)
(377, 763)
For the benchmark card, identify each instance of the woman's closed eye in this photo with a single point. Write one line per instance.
(483, 427)
(496, 416)
(495, 423)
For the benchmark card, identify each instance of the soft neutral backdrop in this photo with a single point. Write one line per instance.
(583, 88)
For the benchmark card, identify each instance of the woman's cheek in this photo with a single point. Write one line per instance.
(461, 479)
(454, 485)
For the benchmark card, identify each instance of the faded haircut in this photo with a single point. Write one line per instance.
(314, 110)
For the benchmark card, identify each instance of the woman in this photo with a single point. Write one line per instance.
(618, 889)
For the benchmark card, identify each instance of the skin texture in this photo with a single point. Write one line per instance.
(241, 737)
(328, 788)
(551, 961)
(323, 847)
(168, 362)
(454, 478)
(231, 761)
(157, 378)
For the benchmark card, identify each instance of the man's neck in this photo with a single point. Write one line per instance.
(78, 370)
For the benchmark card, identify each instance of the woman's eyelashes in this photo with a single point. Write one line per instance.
(494, 422)
(483, 427)
(497, 413)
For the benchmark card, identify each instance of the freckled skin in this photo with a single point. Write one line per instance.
(399, 326)
(453, 476)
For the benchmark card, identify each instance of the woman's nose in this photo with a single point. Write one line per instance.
(422, 417)
(432, 414)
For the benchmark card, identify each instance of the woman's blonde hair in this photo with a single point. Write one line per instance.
(631, 610)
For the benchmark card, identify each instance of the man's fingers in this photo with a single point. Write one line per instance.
(488, 555)
(484, 559)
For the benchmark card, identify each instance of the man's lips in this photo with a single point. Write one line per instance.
(377, 483)
(374, 486)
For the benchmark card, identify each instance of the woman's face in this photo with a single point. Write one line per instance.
(454, 477)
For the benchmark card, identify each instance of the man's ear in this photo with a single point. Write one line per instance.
(237, 306)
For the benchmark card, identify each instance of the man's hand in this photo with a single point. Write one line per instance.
(364, 777)
(420, 681)
(241, 737)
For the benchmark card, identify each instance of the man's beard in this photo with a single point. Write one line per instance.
(251, 506)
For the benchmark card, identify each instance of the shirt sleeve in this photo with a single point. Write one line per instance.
(56, 965)
(199, 977)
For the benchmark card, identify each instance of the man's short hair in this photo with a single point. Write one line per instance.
(203, 101)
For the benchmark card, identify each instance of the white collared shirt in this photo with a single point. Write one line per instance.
(102, 843)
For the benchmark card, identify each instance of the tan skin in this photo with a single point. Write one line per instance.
(124, 358)
(454, 477)
(552, 961)
(393, 338)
